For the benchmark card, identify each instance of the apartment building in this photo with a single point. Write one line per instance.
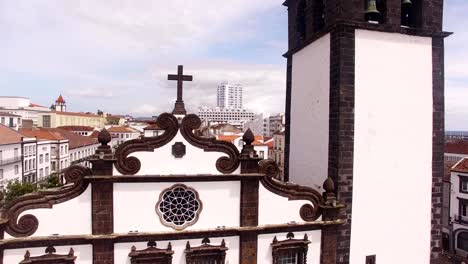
(10, 156)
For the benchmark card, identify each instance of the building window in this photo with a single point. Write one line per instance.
(463, 184)
(411, 13)
(53, 165)
(206, 253)
(290, 251)
(301, 25)
(462, 241)
(46, 121)
(46, 171)
(16, 169)
(463, 209)
(179, 206)
(261, 154)
(1, 173)
(319, 15)
(47, 157)
(41, 158)
(50, 257)
(371, 259)
(152, 254)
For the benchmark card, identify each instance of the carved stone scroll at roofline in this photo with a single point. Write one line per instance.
(308, 212)
(131, 165)
(224, 164)
(27, 224)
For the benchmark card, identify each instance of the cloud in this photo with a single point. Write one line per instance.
(145, 109)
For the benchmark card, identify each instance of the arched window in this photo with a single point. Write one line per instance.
(462, 240)
(301, 27)
(319, 15)
(411, 13)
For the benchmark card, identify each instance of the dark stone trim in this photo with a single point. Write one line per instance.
(151, 253)
(292, 191)
(50, 257)
(224, 164)
(131, 165)
(367, 26)
(290, 246)
(287, 134)
(205, 253)
(341, 128)
(27, 224)
(186, 234)
(178, 150)
(174, 178)
(103, 251)
(102, 199)
(249, 202)
(248, 248)
(438, 147)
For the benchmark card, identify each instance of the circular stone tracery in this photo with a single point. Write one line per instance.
(179, 206)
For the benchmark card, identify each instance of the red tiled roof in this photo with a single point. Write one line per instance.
(258, 143)
(8, 114)
(95, 134)
(35, 105)
(462, 166)
(77, 128)
(121, 129)
(60, 99)
(152, 127)
(228, 138)
(9, 136)
(447, 167)
(74, 140)
(456, 147)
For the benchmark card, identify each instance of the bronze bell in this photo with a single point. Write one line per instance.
(372, 13)
(407, 2)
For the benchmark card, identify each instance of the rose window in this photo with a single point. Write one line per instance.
(179, 206)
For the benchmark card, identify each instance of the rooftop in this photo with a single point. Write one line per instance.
(75, 114)
(60, 99)
(152, 127)
(74, 140)
(9, 136)
(461, 166)
(456, 146)
(77, 128)
(121, 129)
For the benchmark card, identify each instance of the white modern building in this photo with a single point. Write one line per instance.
(11, 120)
(121, 134)
(276, 123)
(225, 115)
(229, 96)
(259, 125)
(43, 159)
(29, 160)
(21, 106)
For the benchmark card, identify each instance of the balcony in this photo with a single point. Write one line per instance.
(11, 160)
(460, 219)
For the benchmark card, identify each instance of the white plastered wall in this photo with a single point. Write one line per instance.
(161, 161)
(275, 209)
(121, 250)
(83, 253)
(391, 214)
(221, 206)
(264, 255)
(72, 217)
(310, 100)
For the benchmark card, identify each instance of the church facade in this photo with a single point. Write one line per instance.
(173, 198)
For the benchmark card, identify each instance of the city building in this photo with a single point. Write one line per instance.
(79, 130)
(123, 133)
(61, 117)
(229, 96)
(224, 129)
(455, 150)
(23, 107)
(454, 135)
(152, 131)
(11, 120)
(11, 156)
(456, 242)
(277, 152)
(44, 151)
(276, 123)
(29, 160)
(260, 146)
(225, 115)
(259, 125)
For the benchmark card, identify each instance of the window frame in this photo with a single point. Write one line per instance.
(290, 246)
(151, 254)
(206, 252)
(462, 180)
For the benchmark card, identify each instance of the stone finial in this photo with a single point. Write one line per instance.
(206, 241)
(275, 240)
(187, 246)
(329, 185)
(50, 250)
(169, 246)
(133, 249)
(290, 235)
(27, 255)
(104, 137)
(71, 252)
(223, 243)
(152, 244)
(248, 137)
(306, 237)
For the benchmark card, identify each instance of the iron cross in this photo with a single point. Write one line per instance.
(180, 78)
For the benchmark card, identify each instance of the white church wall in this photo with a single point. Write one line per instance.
(310, 95)
(161, 161)
(275, 209)
(221, 206)
(264, 254)
(72, 217)
(121, 250)
(83, 253)
(392, 149)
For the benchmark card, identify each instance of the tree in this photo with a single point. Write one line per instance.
(52, 182)
(99, 112)
(16, 189)
(52, 107)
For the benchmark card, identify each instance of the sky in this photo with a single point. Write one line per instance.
(114, 55)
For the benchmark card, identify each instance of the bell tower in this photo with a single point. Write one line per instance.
(365, 105)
